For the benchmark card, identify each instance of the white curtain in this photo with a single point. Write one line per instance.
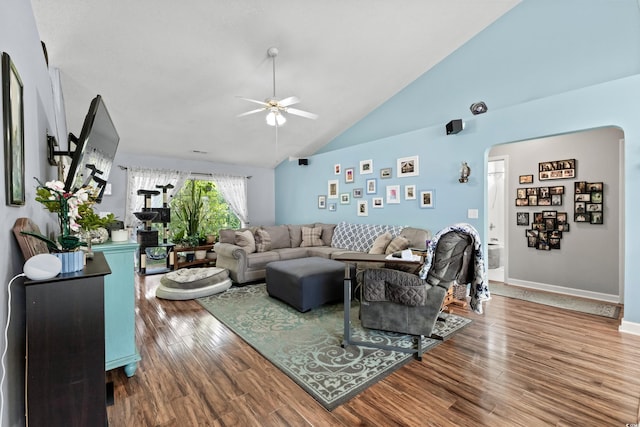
(147, 179)
(234, 191)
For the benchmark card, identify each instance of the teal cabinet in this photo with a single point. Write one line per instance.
(119, 306)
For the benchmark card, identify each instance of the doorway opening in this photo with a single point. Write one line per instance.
(496, 243)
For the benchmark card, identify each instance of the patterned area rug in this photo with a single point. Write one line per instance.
(583, 305)
(306, 346)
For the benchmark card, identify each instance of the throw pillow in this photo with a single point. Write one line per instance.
(311, 237)
(263, 241)
(398, 244)
(245, 240)
(227, 236)
(380, 244)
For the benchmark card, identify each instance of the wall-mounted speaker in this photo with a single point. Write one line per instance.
(454, 126)
(303, 162)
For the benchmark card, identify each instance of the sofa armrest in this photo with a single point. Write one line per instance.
(229, 250)
(233, 258)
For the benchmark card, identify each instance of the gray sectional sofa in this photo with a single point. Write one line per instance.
(246, 252)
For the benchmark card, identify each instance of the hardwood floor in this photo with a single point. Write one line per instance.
(519, 364)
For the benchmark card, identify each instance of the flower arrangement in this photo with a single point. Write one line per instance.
(74, 214)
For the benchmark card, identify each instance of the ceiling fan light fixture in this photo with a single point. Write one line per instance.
(275, 118)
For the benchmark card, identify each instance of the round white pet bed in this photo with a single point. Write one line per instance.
(190, 283)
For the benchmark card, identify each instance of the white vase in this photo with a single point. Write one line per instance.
(71, 261)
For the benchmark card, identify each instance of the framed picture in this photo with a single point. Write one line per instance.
(366, 167)
(363, 208)
(393, 194)
(521, 193)
(348, 175)
(407, 166)
(525, 179)
(522, 202)
(558, 189)
(582, 217)
(561, 217)
(357, 193)
(522, 218)
(337, 169)
(533, 191)
(377, 202)
(410, 192)
(427, 199)
(345, 198)
(332, 189)
(13, 119)
(595, 186)
(533, 200)
(557, 169)
(580, 187)
(322, 202)
(371, 186)
(596, 218)
(385, 173)
(332, 207)
(556, 200)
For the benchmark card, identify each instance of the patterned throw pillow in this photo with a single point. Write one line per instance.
(311, 237)
(399, 243)
(360, 237)
(380, 244)
(245, 240)
(263, 241)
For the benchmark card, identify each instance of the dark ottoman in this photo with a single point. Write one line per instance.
(306, 283)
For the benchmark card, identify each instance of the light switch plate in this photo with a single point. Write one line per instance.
(472, 213)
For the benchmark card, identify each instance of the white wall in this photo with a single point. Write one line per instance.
(587, 263)
(19, 38)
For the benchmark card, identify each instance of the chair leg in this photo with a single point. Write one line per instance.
(420, 350)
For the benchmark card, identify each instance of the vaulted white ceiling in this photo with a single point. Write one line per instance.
(171, 73)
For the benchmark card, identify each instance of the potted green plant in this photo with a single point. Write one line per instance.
(189, 209)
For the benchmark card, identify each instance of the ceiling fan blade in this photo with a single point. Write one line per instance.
(254, 101)
(250, 112)
(289, 101)
(301, 113)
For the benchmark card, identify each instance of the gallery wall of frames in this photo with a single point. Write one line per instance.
(366, 187)
(547, 217)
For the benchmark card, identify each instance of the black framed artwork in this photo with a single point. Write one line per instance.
(13, 120)
(589, 202)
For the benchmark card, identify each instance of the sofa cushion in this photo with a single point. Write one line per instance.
(381, 243)
(295, 233)
(227, 236)
(399, 243)
(311, 237)
(291, 253)
(360, 237)
(261, 259)
(327, 232)
(279, 236)
(417, 237)
(263, 241)
(246, 241)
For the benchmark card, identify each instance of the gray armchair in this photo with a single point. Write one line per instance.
(398, 301)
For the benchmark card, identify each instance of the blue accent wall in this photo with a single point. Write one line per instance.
(545, 68)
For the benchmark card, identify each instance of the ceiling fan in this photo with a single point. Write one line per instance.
(276, 108)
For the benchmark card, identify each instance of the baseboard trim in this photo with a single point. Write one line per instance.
(629, 327)
(615, 299)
